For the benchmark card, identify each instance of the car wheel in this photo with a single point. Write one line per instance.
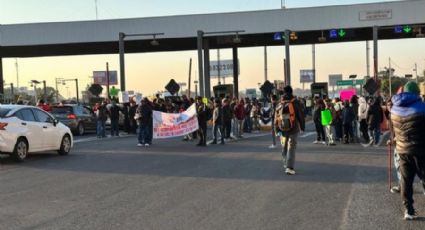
(21, 150)
(80, 129)
(65, 145)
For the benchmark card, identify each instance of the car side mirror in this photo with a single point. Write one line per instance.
(55, 122)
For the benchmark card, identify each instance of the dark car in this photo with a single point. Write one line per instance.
(78, 118)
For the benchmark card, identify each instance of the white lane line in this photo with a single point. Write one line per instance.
(89, 139)
(306, 134)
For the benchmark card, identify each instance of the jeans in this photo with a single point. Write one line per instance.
(329, 134)
(289, 144)
(374, 134)
(273, 133)
(320, 132)
(100, 129)
(227, 128)
(216, 128)
(247, 127)
(348, 132)
(143, 134)
(115, 131)
(338, 130)
(410, 165)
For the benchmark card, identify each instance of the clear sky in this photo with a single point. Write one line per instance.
(149, 72)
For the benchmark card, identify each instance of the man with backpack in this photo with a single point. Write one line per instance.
(289, 121)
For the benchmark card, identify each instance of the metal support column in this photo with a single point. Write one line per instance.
(375, 52)
(265, 64)
(76, 86)
(288, 60)
(207, 78)
(367, 59)
(200, 64)
(313, 50)
(235, 72)
(44, 91)
(122, 63)
(1, 77)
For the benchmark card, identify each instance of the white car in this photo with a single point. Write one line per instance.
(28, 129)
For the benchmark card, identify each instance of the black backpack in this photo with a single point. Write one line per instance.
(209, 113)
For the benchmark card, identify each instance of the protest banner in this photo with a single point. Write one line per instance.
(168, 125)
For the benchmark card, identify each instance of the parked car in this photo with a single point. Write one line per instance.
(78, 118)
(28, 129)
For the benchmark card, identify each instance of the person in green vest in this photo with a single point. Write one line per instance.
(327, 118)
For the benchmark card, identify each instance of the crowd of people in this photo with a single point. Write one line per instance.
(349, 121)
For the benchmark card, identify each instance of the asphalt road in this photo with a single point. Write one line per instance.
(113, 184)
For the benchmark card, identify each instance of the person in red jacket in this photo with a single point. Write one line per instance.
(240, 117)
(44, 106)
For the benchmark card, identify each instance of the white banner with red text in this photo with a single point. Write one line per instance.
(168, 125)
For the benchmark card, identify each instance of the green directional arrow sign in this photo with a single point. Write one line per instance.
(342, 33)
(407, 29)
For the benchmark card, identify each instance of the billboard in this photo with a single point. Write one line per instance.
(226, 68)
(99, 77)
(306, 75)
(334, 78)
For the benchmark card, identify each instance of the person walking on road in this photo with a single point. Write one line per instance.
(408, 120)
(289, 121)
(273, 107)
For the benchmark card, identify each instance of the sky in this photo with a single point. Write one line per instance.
(149, 72)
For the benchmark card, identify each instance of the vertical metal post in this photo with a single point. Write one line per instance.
(190, 78)
(196, 90)
(44, 91)
(35, 94)
(375, 52)
(200, 63)
(1, 77)
(108, 96)
(265, 64)
(12, 93)
(288, 59)
(235, 72)
(313, 50)
(416, 73)
(207, 79)
(367, 59)
(76, 86)
(285, 80)
(17, 73)
(57, 91)
(390, 75)
(122, 61)
(218, 67)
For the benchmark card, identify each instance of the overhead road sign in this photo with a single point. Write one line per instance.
(350, 82)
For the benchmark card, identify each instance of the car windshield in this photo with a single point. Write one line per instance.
(4, 112)
(62, 110)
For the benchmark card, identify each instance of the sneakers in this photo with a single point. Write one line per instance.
(409, 215)
(272, 146)
(332, 144)
(146, 145)
(323, 142)
(140, 145)
(290, 171)
(316, 142)
(395, 189)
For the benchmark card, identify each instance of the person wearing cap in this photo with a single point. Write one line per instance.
(408, 121)
(289, 104)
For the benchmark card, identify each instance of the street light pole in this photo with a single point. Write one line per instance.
(76, 86)
(44, 91)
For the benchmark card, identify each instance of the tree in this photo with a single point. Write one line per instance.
(96, 89)
(396, 83)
